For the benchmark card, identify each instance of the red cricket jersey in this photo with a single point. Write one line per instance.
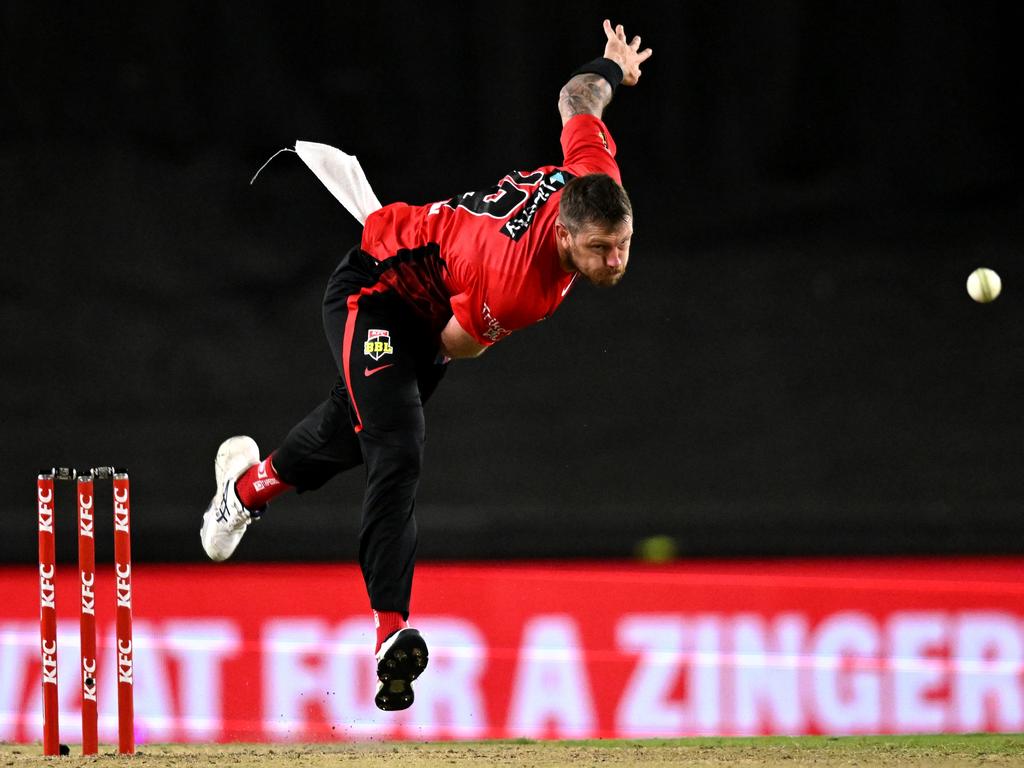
(500, 269)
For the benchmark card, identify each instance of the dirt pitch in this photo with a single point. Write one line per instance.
(866, 752)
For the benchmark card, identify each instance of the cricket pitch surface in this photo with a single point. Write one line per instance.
(864, 752)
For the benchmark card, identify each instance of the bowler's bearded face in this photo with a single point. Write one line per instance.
(600, 253)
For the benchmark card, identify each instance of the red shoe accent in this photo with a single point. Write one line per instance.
(259, 484)
(387, 623)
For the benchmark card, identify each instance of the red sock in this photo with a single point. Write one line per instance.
(387, 623)
(259, 484)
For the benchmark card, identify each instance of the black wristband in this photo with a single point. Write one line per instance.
(606, 68)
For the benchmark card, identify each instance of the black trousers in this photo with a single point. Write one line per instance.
(385, 354)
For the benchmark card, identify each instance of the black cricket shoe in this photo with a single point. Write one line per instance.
(400, 660)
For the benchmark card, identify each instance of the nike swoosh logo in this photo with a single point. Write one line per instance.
(371, 371)
(571, 281)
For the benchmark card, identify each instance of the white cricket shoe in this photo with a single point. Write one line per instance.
(225, 520)
(400, 660)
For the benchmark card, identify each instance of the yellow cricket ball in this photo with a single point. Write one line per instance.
(984, 285)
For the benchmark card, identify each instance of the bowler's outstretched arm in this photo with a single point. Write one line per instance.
(589, 93)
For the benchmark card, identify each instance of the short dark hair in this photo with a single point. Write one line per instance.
(594, 199)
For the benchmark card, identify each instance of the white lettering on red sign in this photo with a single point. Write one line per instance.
(124, 662)
(988, 692)
(671, 649)
(46, 510)
(850, 661)
(918, 657)
(551, 691)
(85, 515)
(49, 655)
(46, 590)
(121, 510)
(88, 597)
(89, 679)
(768, 657)
(124, 585)
(845, 677)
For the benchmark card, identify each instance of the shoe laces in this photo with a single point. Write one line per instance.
(233, 513)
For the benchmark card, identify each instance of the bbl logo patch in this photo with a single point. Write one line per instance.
(377, 344)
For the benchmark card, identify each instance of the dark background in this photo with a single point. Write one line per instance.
(792, 366)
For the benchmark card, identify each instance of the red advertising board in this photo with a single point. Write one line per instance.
(284, 652)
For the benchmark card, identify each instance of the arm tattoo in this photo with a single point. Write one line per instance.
(586, 94)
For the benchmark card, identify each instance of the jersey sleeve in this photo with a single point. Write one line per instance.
(588, 147)
(472, 322)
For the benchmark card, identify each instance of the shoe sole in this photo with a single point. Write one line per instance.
(403, 661)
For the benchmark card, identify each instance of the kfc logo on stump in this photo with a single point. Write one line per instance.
(377, 344)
